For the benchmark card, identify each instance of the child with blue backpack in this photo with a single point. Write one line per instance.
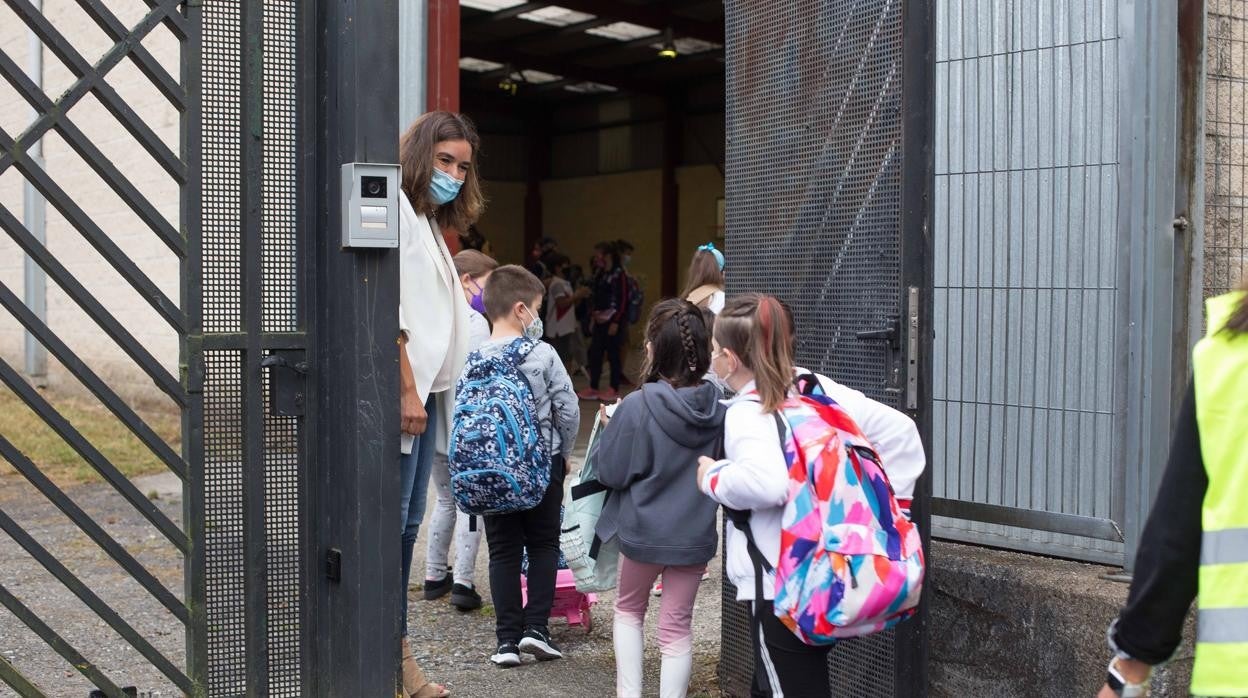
(515, 422)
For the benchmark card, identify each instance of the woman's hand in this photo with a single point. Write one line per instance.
(613, 329)
(704, 464)
(412, 411)
(602, 415)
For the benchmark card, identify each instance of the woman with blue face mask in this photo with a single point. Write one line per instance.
(441, 192)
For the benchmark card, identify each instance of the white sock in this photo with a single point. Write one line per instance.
(629, 645)
(674, 677)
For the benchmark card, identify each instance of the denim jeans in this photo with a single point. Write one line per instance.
(414, 469)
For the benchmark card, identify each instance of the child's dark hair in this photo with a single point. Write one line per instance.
(508, 285)
(756, 328)
(680, 344)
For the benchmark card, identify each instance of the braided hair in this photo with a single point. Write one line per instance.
(679, 344)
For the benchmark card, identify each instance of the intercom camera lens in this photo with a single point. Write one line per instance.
(373, 187)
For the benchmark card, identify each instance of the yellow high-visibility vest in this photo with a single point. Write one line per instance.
(1220, 367)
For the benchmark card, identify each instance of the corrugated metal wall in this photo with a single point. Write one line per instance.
(1026, 269)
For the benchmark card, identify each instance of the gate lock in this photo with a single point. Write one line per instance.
(890, 334)
(287, 373)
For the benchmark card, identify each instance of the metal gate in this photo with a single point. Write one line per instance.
(290, 435)
(829, 175)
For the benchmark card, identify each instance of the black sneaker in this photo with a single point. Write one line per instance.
(507, 656)
(436, 589)
(465, 598)
(537, 642)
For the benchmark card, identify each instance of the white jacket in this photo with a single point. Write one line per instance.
(754, 476)
(433, 314)
(894, 435)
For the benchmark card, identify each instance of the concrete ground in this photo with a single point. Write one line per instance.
(454, 647)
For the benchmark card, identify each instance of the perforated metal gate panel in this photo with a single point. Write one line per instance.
(253, 500)
(814, 216)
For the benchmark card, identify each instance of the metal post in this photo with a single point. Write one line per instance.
(34, 217)
(669, 196)
(443, 58)
(356, 373)
(413, 49)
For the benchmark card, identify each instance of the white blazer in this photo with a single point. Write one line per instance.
(433, 314)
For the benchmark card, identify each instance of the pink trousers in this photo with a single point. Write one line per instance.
(680, 589)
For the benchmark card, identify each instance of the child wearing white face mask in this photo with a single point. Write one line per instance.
(513, 299)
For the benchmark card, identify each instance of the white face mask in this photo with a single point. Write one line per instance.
(533, 330)
(716, 355)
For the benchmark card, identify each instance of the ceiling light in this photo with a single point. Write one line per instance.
(507, 84)
(668, 49)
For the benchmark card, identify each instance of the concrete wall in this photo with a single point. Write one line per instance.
(1011, 625)
(90, 193)
(1226, 146)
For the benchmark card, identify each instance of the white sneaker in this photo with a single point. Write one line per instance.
(507, 656)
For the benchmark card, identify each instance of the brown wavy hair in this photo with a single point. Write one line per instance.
(680, 344)
(703, 271)
(473, 263)
(416, 153)
(755, 327)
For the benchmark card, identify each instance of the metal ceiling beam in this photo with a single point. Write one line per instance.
(648, 16)
(612, 11)
(555, 65)
(507, 13)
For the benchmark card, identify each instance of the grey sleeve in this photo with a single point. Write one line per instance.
(565, 408)
(614, 457)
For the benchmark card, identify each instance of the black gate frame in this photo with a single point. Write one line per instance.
(910, 646)
(337, 369)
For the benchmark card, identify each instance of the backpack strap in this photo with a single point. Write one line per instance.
(808, 385)
(701, 294)
(741, 520)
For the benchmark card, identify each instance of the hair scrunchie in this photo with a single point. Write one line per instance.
(719, 256)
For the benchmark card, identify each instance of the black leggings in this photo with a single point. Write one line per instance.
(601, 342)
(783, 664)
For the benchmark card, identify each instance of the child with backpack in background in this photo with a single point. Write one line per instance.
(647, 455)
(474, 269)
(819, 546)
(515, 422)
(704, 282)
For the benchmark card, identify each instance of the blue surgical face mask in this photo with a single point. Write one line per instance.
(443, 187)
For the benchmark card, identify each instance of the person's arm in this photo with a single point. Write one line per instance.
(620, 293)
(413, 417)
(565, 407)
(1167, 564)
(614, 457)
(754, 475)
(893, 434)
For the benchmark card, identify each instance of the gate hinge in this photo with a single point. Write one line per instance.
(1181, 224)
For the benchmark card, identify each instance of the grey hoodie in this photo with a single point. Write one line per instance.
(648, 456)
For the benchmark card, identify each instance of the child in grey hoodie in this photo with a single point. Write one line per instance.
(648, 455)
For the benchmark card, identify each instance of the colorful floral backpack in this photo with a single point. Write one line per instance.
(851, 563)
